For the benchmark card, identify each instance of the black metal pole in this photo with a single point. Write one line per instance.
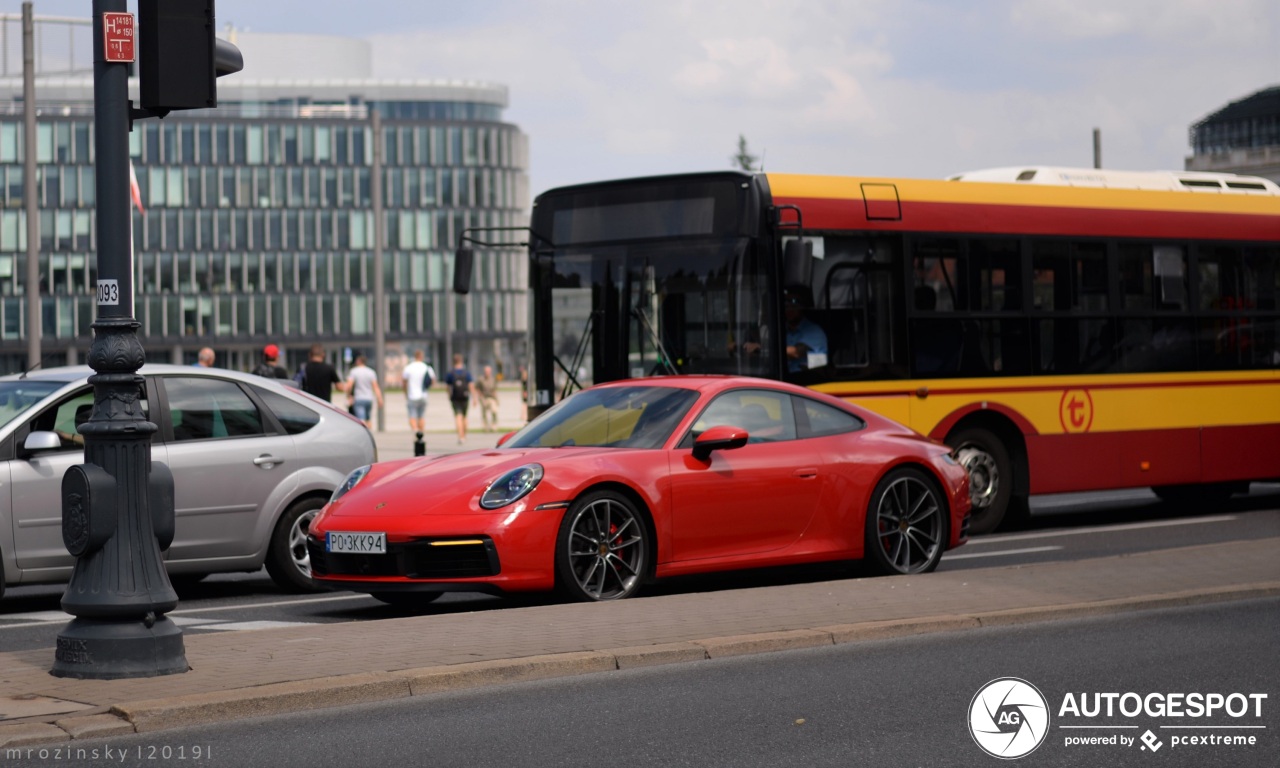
(118, 506)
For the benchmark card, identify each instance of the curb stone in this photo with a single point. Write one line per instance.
(484, 673)
(277, 698)
(764, 642)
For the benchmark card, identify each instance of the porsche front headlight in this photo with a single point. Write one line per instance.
(352, 481)
(511, 486)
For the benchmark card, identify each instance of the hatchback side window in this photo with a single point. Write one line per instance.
(203, 409)
(765, 415)
(296, 418)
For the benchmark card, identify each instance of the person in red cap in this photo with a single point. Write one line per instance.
(268, 366)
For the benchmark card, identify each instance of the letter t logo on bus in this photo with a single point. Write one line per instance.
(1075, 410)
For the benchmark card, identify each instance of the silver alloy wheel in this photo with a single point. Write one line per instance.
(984, 475)
(909, 525)
(298, 542)
(606, 549)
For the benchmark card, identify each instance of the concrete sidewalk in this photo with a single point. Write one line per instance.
(253, 673)
(395, 440)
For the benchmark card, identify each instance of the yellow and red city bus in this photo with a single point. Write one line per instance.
(1082, 330)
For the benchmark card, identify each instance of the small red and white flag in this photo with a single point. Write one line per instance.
(134, 190)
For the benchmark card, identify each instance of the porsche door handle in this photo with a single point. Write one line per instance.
(267, 462)
(806, 472)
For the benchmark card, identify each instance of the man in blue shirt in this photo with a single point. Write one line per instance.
(806, 341)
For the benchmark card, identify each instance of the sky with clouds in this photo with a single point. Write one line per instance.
(917, 88)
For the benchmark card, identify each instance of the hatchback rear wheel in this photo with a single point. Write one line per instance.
(603, 549)
(906, 529)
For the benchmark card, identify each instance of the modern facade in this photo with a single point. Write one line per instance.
(257, 220)
(1242, 137)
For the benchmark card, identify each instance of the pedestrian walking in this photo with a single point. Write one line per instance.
(461, 386)
(418, 378)
(317, 377)
(205, 357)
(269, 368)
(362, 387)
(487, 390)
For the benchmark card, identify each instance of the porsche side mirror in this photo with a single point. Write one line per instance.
(721, 438)
(504, 439)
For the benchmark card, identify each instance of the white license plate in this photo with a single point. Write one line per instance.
(358, 543)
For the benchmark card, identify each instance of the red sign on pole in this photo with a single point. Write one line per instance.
(119, 37)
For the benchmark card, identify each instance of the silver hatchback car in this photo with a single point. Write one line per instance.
(253, 461)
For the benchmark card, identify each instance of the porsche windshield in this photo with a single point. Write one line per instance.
(614, 417)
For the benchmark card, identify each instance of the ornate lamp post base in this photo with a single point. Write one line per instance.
(106, 649)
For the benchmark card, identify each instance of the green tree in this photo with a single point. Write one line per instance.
(744, 159)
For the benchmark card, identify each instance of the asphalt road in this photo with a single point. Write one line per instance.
(893, 703)
(1067, 527)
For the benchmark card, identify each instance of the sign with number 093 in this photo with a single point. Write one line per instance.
(108, 293)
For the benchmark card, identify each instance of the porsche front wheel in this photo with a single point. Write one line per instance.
(906, 524)
(603, 548)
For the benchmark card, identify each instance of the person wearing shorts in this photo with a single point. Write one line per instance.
(418, 378)
(362, 384)
(461, 386)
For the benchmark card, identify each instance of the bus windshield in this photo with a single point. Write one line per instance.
(657, 307)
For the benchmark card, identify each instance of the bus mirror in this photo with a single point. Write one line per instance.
(462, 261)
(797, 262)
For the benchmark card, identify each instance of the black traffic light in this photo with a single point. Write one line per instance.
(179, 57)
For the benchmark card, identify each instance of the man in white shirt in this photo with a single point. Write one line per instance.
(418, 378)
(362, 384)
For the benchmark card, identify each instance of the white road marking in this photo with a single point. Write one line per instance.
(191, 617)
(38, 616)
(1002, 538)
(274, 604)
(194, 621)
(1001, 553)
(236, 626)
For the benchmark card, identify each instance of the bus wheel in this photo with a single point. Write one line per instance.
(990, 476)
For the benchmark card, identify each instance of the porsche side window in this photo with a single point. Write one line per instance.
(820, 420)
(201, 409)
(765, 415)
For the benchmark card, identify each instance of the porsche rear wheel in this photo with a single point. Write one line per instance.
(906, 524)
(603, 549)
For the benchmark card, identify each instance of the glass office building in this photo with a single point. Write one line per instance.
(1242, 137)
(257, 222)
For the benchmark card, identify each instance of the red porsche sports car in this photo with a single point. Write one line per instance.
(646, 478)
